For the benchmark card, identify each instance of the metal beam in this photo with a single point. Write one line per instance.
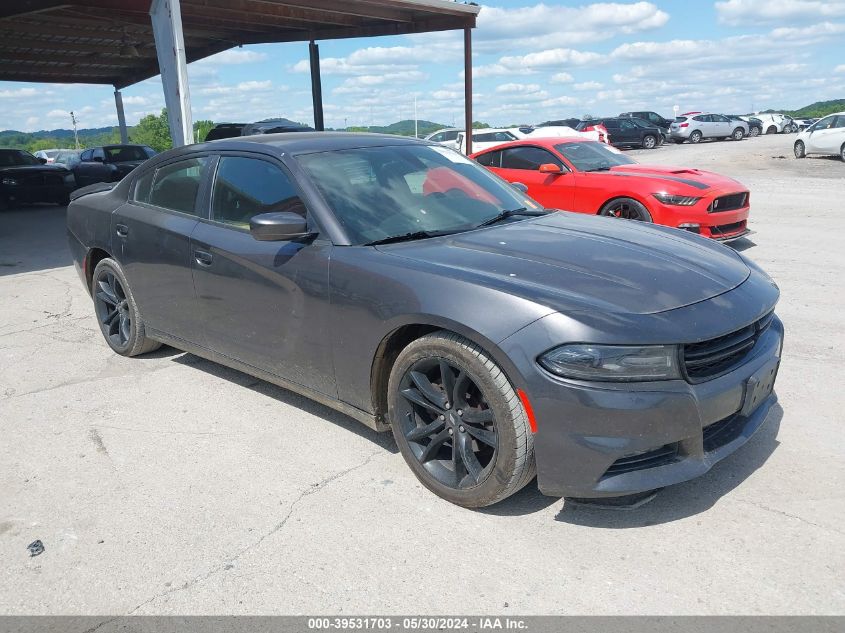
(167, 27)
(121, 117)
(316, 85)
(468, 89)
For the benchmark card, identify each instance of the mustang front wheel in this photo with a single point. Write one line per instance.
(627, 209)
(458, 422)
(117, 313)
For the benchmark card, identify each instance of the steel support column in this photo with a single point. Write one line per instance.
(166, 17)
(121, 117)
(316, 85)
(468, 88)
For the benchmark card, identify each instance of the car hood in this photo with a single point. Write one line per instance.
(693, 179)
(22, 170)
(571, 262)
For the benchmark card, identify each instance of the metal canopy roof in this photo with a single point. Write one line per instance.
(111, 41)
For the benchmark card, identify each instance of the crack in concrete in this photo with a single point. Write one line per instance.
(791, 516)
(226, 564)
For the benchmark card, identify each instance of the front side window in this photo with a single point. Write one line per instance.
(174, 186)
(86, 155)
(99, 154)
(591, 156)
(125, 153)
(529, 158)
(245, 187)
(381, 192)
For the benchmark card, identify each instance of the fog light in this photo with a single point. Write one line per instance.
(691, 227)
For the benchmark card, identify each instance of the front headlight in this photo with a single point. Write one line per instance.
(9, 181)
(681, 201)
(613, 362)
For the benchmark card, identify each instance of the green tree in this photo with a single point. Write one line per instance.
(154, 131)
(201, 129)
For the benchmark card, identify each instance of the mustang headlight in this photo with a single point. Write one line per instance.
(613, 362)
(681, 201)
(9, 181)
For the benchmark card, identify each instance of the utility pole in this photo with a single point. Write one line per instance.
(75, 135)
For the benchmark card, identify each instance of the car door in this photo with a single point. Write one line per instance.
(629, 133)
(151, 238)
(264, 304)
(827, 136)
(522, 164)
(722, 125)
(89, 170)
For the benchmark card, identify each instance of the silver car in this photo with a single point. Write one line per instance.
(696, 127)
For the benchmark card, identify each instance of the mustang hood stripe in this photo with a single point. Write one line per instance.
(686, 181)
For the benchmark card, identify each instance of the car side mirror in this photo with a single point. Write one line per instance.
(520, 186)
(279, 226)
(43, 161)
(550, 168)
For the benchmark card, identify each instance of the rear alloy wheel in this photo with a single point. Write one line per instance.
(842, 152)
(626, 209)
(458, 422)
(649, 142)
(118, 316)
(695, 137)
(800, 151)
(754, 132)
(738, 134)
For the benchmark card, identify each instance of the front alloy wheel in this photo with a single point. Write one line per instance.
(458, 421)
(800, 151)
(626, 209)
(649, 142)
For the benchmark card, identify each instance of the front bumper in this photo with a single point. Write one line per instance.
(723, 225)
(604, 440)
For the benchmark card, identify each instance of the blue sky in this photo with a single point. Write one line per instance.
(532, 61)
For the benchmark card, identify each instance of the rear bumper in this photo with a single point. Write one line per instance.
(598, 441)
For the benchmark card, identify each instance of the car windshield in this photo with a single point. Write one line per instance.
(14, 157)
(591, 156)
(126, 153)
(382, 192)
(68, 158)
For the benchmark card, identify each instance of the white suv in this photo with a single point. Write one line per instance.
(697, 127)
(484, 138)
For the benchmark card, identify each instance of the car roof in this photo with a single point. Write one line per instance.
(309, 142)
(120, 145)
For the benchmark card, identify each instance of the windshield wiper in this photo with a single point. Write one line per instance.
(599, 168)
(408, 237)
(504, 215)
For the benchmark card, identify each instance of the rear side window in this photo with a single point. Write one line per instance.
(174, 186)
(529, 158)
(490, 159)
(245, 187)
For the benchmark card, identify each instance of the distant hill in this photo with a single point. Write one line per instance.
(61, 138)
(815, 110)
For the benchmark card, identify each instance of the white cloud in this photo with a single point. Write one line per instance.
(20, 92)
(363, 84)
(518, 88)
(588, 85)
(839, 69)
(561, 78)
(550, 58)
(736, 12)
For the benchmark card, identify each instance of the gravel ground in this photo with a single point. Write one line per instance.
(169, 484)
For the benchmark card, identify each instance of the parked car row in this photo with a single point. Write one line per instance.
(26, 178)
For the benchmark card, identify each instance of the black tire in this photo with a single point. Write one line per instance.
(738, 134)
(771, 130)
(627, 209)
(117, 313)
(434, 433)
(695, 137)
(649, 141)
(842, 152)
(754, 132)
(799, 149)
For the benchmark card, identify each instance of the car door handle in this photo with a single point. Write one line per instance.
(203, 258)
(122, 230)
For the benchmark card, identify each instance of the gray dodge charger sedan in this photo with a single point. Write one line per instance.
(402, 284)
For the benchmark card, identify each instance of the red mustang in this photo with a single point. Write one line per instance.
(585, 176)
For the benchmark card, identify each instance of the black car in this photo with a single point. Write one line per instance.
(25, 178)
(646, 124)
(109, 163)
(274, 126)
(652, 117)
(224, 130)
(625, 133)
(755, 125)
(402, 283)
